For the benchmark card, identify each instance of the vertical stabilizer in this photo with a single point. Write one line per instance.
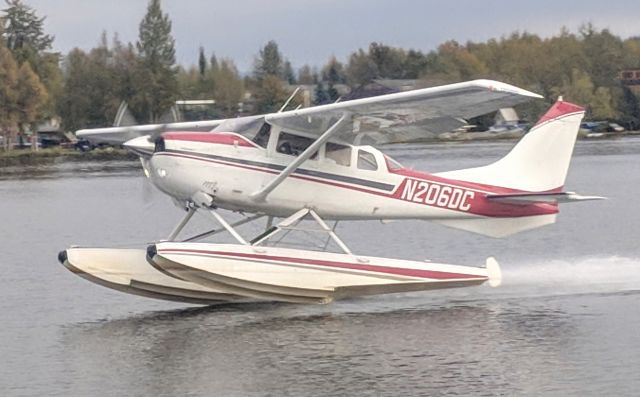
(540, 160)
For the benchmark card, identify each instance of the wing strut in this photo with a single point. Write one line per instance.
(262, 194)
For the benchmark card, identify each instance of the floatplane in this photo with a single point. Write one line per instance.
(319, 164)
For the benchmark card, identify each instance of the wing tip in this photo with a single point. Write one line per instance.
(494, 85)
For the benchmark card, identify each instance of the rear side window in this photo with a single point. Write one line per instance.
(340, 154)
(367, 161)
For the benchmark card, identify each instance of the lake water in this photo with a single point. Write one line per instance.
(566, 320)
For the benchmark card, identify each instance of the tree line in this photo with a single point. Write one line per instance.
(86, 88)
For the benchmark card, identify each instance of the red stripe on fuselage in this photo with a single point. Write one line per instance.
(220, 138)
(431, 274)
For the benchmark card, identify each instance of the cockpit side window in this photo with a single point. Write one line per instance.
(293, 145)
(341, 154)
(367, 161)
(262, 137)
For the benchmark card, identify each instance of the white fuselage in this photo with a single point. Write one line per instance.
(362, 184)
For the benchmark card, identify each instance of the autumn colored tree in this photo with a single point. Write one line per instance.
(270, 95)
(361, 69)
(229, 87)
(96, 82)
(31, 95)
(306, 75)
(23, 34)
(8, 96)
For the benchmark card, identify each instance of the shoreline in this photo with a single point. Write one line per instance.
(26, 157)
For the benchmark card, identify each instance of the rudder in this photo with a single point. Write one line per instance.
(540, 160)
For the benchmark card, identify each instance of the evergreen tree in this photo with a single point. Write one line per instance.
(213, 62)
(268, 85)
(288, 74)
(333, 71)
(23, 31)
(320, 95)
(157, 87)
(332, 93)
(202, 62)
(269, 62)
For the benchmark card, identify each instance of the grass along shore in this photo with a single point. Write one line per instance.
(18, 157)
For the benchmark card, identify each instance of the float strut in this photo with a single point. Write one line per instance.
(182, 224)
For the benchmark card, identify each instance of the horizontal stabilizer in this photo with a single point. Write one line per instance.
(533, 198)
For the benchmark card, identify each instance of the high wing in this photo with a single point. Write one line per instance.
(404, 116)
(399, 117)
(119, 135)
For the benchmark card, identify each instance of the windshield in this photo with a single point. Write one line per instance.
(246, 126)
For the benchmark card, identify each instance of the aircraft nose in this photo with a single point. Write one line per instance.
(168, 176)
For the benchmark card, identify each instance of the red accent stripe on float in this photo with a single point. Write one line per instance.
(432, 274)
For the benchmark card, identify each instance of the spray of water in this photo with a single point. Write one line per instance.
(579, 275)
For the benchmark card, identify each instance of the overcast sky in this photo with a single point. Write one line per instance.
(311, 31)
